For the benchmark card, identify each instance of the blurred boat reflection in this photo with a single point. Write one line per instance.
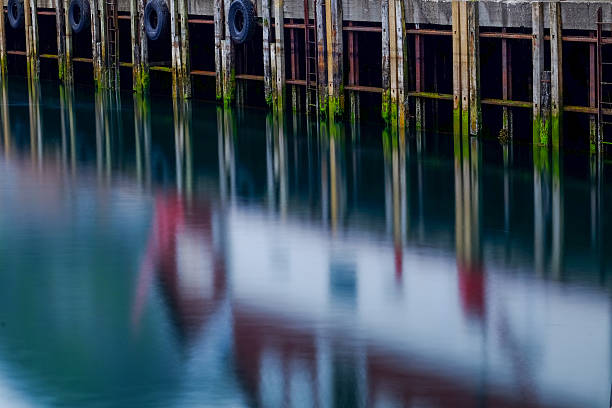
(231, 258)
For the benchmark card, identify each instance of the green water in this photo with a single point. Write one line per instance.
(176, 255)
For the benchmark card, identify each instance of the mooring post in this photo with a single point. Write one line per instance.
(321, 57)
(227, 56)
(265, 22)
(31, 37)
(474, 66)
(179, 32)
(140, 52)
(279, 54)
(333, 14)
(556, 66)
(537, 26)
(419, 50)
(456, 34)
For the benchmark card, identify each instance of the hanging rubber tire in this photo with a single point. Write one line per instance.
(156, 19)
(78, 15)
(15, 13)
(241, 19)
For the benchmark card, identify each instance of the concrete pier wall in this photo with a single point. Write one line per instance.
(576, 14)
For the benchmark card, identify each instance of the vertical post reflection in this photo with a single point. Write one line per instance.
(67, 120)
(35, 123)
(6, 126)
(182, 146)
(142, 140)
(548, 211)
(394, 149)
(277, 167)
(467, 225)
(227, 166)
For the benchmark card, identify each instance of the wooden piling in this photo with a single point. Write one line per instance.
(400, 58)
(353, 79)
(265, 22)
(465, 83)
(279, 54)
(227, 56)
(545, 108)
(386, 62)
(96, 44)
(333, 11)
(321, 55)
(295, 69)
(31, 37)
(537, 25)
(393, 63)
(556, 65)
(140, 52)
(419, 50)
(2, 48)
(185, 66)
(592, 97)
(507, 117)
(456, 39)
(474, 67)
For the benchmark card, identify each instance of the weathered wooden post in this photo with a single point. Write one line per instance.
(140, 52)
(537, 25)
(394, 53)
(97, 16)
(386, 62)
(279, 55)
(61, 26)
(2, 48)
(219, 18)
(31, 37)
(545, 111)
(507, 119)
(456, 34)
(465, 70)
(179, 33)
(268, 80)
(333, 20)
(227, 57)
(474, 67)
(556, 64)
(321, 56)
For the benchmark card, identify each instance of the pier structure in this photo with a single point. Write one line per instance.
(486, 63)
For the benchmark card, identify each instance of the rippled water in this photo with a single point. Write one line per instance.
(160, 255)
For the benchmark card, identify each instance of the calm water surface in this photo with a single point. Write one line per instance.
(184, 256)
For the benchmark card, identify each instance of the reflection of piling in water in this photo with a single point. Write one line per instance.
(108, 127)
(35, 123)
(227, 166)
(67, 121)
(142, 136)
(277, 167)
(6, 126)
(182, 146)
(548, 210)
(395, 193)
